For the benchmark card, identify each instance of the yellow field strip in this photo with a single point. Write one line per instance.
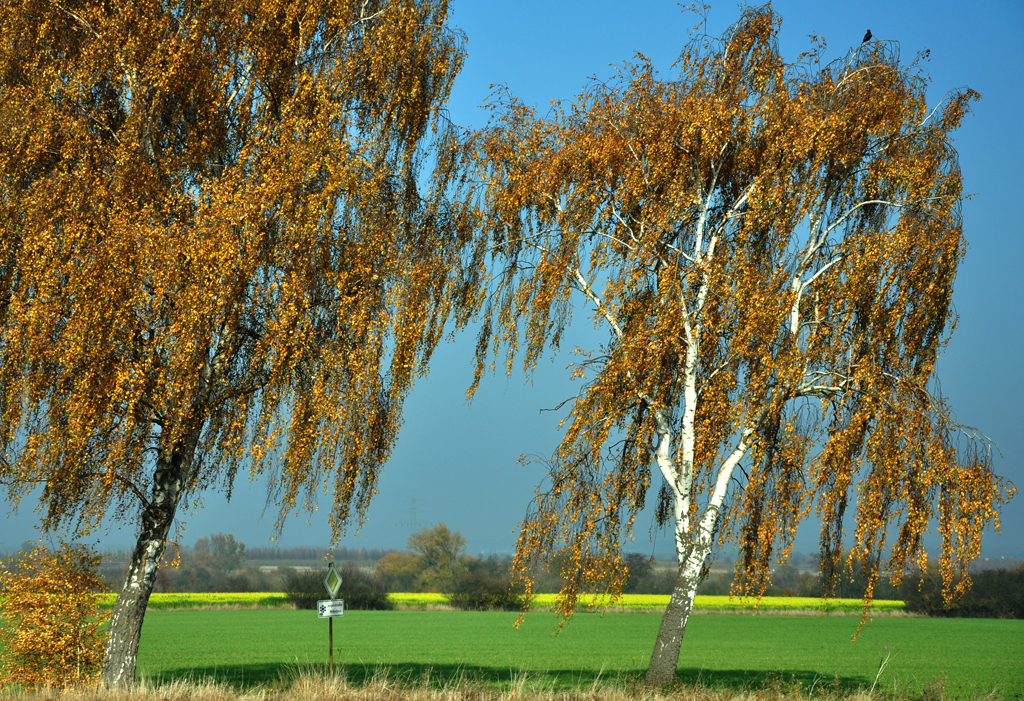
(628, 602)
(203, 600)
(658, 602)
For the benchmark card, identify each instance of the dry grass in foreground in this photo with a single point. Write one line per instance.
(311, 686)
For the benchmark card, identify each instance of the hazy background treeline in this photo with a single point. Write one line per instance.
(435, 561)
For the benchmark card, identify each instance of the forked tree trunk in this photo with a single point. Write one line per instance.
(665, 658)
(126, 621)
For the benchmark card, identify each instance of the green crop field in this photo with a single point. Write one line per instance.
(251, 647)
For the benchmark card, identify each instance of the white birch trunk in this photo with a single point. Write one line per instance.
(169, 483)
(665, 657)
(130, 608)
(693, 545)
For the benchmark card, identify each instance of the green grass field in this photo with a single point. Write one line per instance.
(251, 647)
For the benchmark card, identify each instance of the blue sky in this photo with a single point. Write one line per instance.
(459, 461)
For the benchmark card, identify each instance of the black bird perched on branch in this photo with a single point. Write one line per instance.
(867, 38)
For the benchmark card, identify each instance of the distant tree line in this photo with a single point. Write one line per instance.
(213, 564)
(436, 562)
(343, 553)
(994, 593)
(220, 563)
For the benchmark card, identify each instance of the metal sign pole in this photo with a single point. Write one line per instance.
(330, 608)
(332, 583)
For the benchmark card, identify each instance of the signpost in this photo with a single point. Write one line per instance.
(330, 608)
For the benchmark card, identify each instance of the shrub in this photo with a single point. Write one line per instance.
(360, 591)
(304, 587)
(398, 571)
(219, 551)
(993, 594)
(640, 572)
(439, 551)
(477, 592)
(49, 618)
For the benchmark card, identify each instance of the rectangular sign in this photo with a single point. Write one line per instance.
(330, 608)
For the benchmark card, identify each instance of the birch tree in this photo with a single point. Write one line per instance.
(219, 250)
(771, 249)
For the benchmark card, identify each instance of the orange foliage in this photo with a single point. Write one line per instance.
(217, 252)
(49, 620)
(214, 242)
(771, 249)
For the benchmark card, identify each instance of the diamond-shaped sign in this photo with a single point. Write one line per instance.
(332, 582)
